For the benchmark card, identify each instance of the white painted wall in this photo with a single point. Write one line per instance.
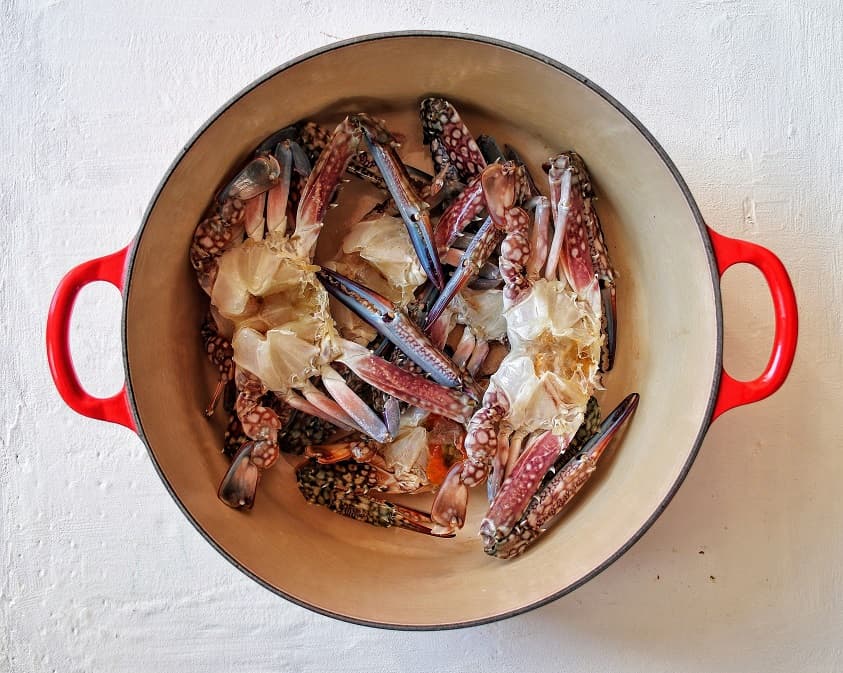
(98, 569)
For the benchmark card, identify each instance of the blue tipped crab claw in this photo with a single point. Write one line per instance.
(396, 326)
(525, 507)
(475, 255)
(414, 211)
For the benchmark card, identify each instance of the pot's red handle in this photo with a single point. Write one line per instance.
(734, 393)
(115, 409)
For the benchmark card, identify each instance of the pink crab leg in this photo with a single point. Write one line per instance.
(406, 386)
(464, 348)
(278, 196)
(467, 207)
(475, 255)
(478, 357)
(253, 219)
(559, 178)
(539, 238)
(544, 507)
(583, 256)
(321, 184)
(366, 419)
(330, 409)
(508, 444)
(298, 402)
(499, 189)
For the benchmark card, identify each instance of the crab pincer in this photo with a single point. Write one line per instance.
(514, 521)
(393, 324)
(414, 211)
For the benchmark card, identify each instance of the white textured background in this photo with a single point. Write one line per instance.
(98, 569)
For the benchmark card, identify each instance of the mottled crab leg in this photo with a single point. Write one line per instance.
(324, 179)
(546, 505)
(581, 251)
(411, 388)
(414, 211)
(240, 483)
(467, 207)
(345, 488)
(449, 138)
(221, 354)
(395, 325)
(475, 255)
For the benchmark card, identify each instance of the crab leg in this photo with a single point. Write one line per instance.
(476, 254)
(344, 488)
(368, 421)
(330, 410)
(394, 324)
(414, 211)
(557, 493)
(539, 238)
(582, 253)
(406, 386)
(449, 138)
(299, 403)
(220, 353)
(323, 181)
(277, 197)
(466, 207)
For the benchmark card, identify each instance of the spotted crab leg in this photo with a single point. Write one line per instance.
(449, 138)
(221, 354)
(475, 255)
(411, 388)
(319, 190)
(581, 251)
(395, 325)
(467, 207)
(346, 487)
(542, 510)
(415, 212)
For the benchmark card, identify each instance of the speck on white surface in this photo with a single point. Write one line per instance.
(98, 569)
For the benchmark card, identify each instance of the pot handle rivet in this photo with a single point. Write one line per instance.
(734, 393)
(115, 409)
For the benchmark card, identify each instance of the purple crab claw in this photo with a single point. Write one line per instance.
(414, 211)
(475, 255)
(395, 325)
(238, 486)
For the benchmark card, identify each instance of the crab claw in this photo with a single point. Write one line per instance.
(475, 255)
(394, 324)
(414, 211)
(256, 178)
(240, 483)
(506, 534)
(344, 488)
(411, 388)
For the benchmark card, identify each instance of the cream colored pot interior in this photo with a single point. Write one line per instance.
(666, 348)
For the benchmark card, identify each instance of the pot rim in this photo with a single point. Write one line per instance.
(709, 251)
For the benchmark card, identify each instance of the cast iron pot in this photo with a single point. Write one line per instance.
(669, 345)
